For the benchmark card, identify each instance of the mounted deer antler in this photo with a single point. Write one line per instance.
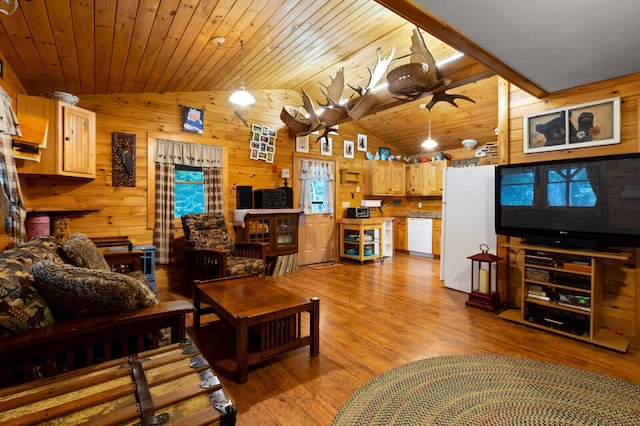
(367, 99)
(314, 119)
(378, 71)
(334, 91)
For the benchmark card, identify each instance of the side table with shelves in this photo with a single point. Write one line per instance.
(362, 239)
(562, 292)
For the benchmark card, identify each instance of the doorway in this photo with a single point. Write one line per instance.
(316, 231)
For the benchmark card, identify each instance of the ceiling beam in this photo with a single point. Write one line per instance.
(439, 29)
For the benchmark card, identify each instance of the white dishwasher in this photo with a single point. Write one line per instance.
(420, 235)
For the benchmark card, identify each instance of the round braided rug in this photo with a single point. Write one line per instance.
(491, 390)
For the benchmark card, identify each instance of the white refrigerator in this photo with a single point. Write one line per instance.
(467, 221)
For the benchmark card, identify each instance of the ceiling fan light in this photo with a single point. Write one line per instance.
(242, 97)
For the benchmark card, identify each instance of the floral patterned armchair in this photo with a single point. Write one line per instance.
(212, 254)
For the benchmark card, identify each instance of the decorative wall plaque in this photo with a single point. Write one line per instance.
(123, 159)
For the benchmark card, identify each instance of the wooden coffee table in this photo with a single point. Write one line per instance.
(254, 305)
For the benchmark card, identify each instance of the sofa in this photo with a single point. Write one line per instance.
(63, 307)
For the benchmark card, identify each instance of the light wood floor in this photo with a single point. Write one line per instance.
(376, 316)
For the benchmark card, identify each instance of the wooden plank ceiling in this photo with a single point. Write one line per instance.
(134, 46)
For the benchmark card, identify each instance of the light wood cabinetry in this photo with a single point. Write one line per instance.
(362, 239)
(562, 292)
(71, 139)
(349, 176)
(436, 235)
(414, 179)
(384, 178)
(436, 177)
(400, 241)
(425, 178)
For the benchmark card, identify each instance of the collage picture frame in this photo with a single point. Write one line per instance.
(263, 143)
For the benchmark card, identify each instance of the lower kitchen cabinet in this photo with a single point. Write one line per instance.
(436, 236)
(400, 234)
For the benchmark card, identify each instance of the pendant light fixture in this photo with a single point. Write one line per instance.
(429, 143)
(241, 96)
(8, 6)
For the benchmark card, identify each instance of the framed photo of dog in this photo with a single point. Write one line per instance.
(578, 126)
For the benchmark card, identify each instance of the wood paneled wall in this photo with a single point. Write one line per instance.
(622, 279)
(157, 115)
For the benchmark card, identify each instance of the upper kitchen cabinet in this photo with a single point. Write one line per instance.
(425, 178)
(71, 140)
(414, 179)
(436, 176)
(384, 178)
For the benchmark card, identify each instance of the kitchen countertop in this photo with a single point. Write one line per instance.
(425, 214)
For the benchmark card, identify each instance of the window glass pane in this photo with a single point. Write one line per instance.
(189, 191)
(189, 175)
(317, 196)
(189, 198)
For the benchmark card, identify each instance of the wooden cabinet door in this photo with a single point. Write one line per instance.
(398, 178)
(436, 175)
(436, 235)
(377, 178)
(414, 179)
(78, 141)
(400, 234)
(286, 233)
(384, 178)
(71, 139)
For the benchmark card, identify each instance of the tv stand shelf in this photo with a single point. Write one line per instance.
(562, 292)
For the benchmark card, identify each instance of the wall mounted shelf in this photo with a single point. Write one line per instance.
(349, 176)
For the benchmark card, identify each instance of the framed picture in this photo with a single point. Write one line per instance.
(326, 145)
(302, 143)
(385, 154)
(349, 147)
(362, 142)
(193, 120)
(578, 126)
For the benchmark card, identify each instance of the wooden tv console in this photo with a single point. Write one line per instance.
(562, 292)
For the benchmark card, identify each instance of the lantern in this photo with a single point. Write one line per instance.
(484, 276)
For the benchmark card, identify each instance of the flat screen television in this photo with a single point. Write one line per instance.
(587, 203)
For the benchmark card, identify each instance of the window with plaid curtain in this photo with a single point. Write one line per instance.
(168, 155)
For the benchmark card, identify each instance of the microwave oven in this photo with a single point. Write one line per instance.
(358, 212)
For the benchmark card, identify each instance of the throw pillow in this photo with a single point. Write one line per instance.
(82, 252)
(75, 292)
(21, 306)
